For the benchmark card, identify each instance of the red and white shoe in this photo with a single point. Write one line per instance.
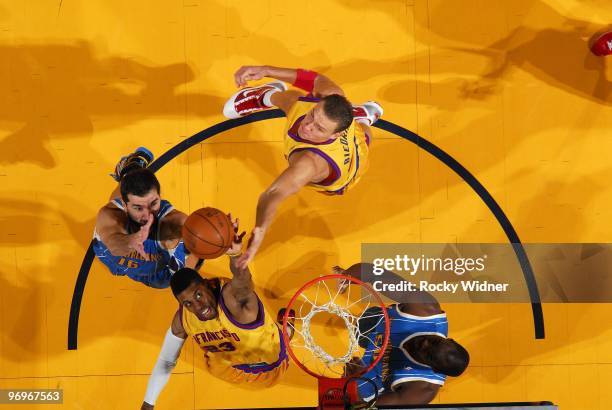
(251, 99)
(368, 112)
(603, 45)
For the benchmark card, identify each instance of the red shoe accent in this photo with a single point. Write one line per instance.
(249, 100)
(359, 112)
(603, 45)
(369, 111)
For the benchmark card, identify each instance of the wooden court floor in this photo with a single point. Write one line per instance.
(508, 88)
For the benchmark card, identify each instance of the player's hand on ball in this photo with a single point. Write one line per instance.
(146, 406)
(249, 73)
(255, 240)
(236, 247)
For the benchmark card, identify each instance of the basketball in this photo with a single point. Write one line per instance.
(208, 233)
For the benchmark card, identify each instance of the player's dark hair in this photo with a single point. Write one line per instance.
(182, 279)
(456, 362)
(138, 182)
(338, 109)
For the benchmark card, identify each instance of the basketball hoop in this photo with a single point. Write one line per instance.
(316, 346)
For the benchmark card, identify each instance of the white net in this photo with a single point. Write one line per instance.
(318, 351)
(335, 327)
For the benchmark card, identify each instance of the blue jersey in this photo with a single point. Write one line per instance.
(162, 263)
(397, 366)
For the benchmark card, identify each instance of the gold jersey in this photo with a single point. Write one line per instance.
(233, 350)
(347, 156)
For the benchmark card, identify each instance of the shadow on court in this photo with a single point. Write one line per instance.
(58, 91)
(527, 46)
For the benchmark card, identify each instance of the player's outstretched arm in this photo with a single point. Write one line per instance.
(171, 230)
(110, 227)
(172, 225)
(170, 351)
(241, 287)
(239, 294)
(300, 172)
(310, 81)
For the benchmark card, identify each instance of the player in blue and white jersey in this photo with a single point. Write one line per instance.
(419, 355)
(137, 233)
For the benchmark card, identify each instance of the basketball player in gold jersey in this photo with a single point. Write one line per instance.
(226, 319)
(326, 138)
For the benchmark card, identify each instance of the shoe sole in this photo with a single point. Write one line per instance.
(376, 106)
(146, 151)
